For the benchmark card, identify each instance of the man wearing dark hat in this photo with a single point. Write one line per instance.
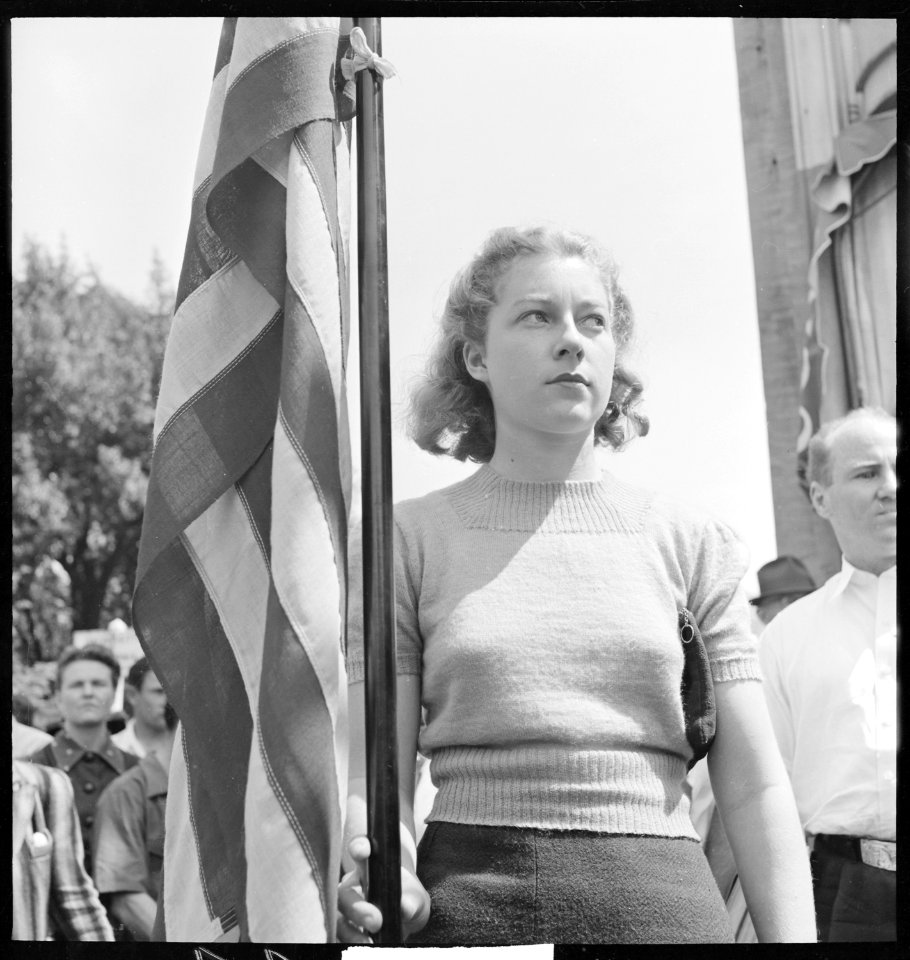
(780, 582)
(829, 663)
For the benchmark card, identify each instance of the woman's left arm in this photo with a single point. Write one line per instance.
(759, 814)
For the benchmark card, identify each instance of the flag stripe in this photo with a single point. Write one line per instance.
(212, 441)
(312, 348)
(255, 492)
(255, 36)
(192, 657)
(304, 561)
(203, 343)
(237, 580)
(316, 145)
(273, 157)
(182, 854)
(282, 93)
(314, 242)
(204, 254)
(210, 129)
(225, 44)
(246, 208)
(310, 419)
(307, 786)
(322, 171)
(282, 897)
(343, 208)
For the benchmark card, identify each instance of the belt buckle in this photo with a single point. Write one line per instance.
(879, 853)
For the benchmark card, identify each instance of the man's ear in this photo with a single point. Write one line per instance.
(474, 362)
(817, 494)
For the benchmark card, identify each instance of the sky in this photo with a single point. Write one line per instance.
(624, 128)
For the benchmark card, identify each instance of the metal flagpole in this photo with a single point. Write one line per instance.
(376, 456)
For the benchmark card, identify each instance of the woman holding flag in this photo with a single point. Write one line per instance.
(538, 606)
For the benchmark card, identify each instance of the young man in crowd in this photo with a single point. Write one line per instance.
(147, 729)
(829, 663)
(129, 824)
(86, 682)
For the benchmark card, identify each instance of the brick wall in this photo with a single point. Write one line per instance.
(781, 238)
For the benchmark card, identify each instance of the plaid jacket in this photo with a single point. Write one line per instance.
(49, 879)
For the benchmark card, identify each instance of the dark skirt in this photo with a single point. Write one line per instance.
(510, 885)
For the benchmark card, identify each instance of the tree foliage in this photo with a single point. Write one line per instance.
(86, 367)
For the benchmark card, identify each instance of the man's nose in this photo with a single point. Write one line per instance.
(888, 486)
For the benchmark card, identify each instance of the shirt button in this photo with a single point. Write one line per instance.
(89, 820)
(89, 757)
(88, 787)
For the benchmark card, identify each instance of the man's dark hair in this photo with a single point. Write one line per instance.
(137, 673)
(91, 651)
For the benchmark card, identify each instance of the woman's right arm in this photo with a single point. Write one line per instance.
(357, 917)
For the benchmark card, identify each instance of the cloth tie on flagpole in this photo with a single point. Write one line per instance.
(363, 58)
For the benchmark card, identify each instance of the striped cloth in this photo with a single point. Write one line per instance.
(241, 582)
(50, 890)
(811, 393)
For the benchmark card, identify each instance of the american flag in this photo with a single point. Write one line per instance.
(241, 584)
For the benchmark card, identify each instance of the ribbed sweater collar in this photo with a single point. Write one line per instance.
(489, 501)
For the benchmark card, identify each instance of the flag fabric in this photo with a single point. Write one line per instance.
(811, 394)
(241, 585)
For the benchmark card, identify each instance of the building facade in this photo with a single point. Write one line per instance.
(818, 101)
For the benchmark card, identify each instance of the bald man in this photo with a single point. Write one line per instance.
(829, 663)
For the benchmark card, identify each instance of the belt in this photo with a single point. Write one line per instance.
(875, 853)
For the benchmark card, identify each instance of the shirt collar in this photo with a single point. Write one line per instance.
(67, 752)
(848, 573)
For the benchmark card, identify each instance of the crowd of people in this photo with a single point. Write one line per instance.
(88, 806)
(568, 646)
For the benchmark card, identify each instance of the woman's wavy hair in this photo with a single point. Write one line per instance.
(451, 412)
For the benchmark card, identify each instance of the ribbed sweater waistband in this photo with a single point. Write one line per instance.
(558, 787)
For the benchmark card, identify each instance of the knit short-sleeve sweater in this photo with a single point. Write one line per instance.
(542, 620)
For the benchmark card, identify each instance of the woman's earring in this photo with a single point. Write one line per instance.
(612, 412)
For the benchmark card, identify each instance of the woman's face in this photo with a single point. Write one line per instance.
(549, 352)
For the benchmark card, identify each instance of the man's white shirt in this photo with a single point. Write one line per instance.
(829, 664)
(127, 740)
